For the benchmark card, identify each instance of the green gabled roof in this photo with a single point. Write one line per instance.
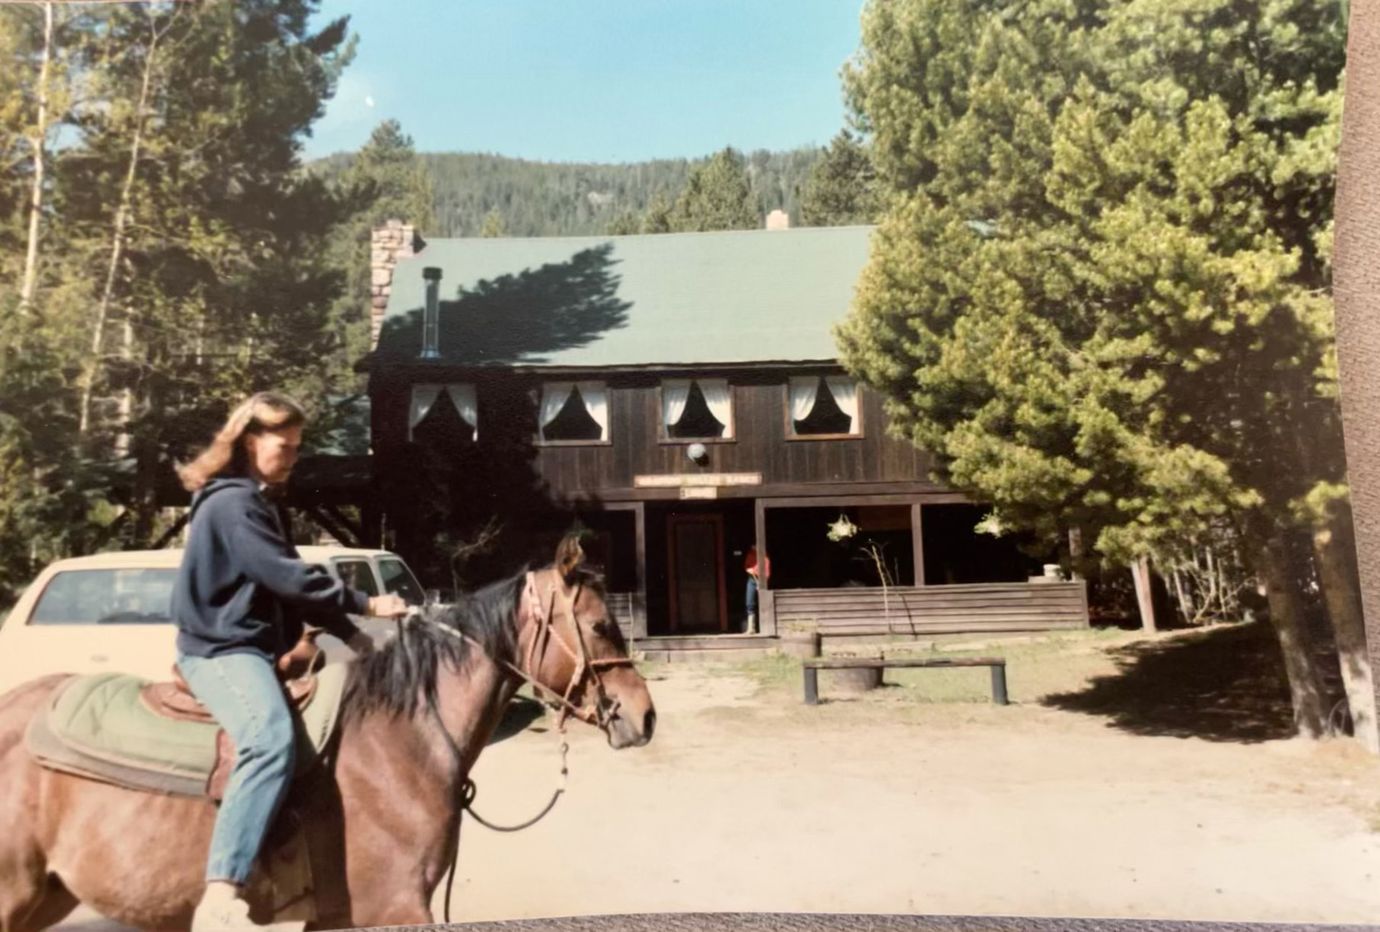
(670, 299)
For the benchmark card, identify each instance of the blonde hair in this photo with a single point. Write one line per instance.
(263, 411)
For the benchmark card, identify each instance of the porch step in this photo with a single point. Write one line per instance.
(707, 648)
(705, 656)
(706, 642)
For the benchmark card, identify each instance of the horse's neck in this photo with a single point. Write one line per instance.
(470, 705)
(470, 700)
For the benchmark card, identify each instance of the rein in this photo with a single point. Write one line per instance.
(600, 714)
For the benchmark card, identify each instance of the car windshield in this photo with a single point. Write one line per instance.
(398, 579)
(101, 597)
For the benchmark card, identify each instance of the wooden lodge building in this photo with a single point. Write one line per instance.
(679, 396)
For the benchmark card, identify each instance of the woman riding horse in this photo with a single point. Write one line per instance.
(381, 817)
(236, 603)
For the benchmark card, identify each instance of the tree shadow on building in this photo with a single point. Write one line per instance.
(442, 487)
(1223, 684)
(519, 318)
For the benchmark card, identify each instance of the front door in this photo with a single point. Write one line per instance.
(696, 548)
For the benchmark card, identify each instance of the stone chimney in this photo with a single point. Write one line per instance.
(393, 241)
(778, 220)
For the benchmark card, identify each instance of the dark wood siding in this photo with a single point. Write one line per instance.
(760, 443)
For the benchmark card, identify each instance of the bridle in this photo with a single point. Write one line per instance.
(540, 614)
(600, 713)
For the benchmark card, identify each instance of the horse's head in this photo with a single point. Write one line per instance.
(569, 643)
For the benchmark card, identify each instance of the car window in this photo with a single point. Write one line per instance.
(357, 575)
(398, 579)
(100, 597)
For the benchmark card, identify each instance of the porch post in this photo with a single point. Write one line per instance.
(917, 542)
(766, 604)
(639, 620)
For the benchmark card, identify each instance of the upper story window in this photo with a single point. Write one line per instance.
(458, 396)
(574, 412)
(824, 406)
(696, 409)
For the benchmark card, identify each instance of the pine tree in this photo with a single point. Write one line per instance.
(624, 224)
(390, 179)
(183, 255)
(51, 497)
(841, 189)
(717, 196)
(203, 246)
(493, 225)
(658, 216)
(386, 180)
(1099, 292)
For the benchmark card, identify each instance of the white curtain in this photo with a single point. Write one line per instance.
(720, 402)
(674, 394)
(423, 397)
(596, 398)
(553, 398)
(845, 392)
(463, 397)
(804, 390)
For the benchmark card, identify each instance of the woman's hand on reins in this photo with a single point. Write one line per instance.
(387, 606)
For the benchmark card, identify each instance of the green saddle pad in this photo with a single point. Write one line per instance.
(98, 726)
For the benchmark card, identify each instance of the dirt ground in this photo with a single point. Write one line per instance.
(1107, 789)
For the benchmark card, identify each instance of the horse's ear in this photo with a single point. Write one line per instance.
(569, 555)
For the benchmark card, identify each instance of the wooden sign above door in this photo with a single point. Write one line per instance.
(681, 480)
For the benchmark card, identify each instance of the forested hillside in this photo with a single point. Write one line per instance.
(555, 199)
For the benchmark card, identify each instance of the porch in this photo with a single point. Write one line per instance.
(857, 614)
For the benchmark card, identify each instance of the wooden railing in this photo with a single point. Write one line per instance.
(955, 609)
(630, 610)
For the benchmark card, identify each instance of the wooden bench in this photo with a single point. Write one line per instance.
(813, 665)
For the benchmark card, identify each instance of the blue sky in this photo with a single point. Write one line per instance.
(592, 80)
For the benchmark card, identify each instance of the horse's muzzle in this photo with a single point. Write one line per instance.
(624, 733)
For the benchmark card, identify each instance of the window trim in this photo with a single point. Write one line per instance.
(663, 429)
(574, 443)
(444, 390)
(539, 439)
(792, 437)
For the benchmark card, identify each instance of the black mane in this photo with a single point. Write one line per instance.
(397, 677)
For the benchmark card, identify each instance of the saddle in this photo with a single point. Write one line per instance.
(157, 738)
(296, 671)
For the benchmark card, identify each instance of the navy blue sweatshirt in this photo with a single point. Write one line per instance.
(242, 588)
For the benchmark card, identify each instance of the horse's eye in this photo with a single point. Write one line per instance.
(603, 628)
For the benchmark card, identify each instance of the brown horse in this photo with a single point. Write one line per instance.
(383, 819)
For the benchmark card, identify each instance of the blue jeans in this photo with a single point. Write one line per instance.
(750, 597)
(242, 692)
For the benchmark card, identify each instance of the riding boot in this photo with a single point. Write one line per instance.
(751, 626)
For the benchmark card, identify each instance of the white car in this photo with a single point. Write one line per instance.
(110, 612)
